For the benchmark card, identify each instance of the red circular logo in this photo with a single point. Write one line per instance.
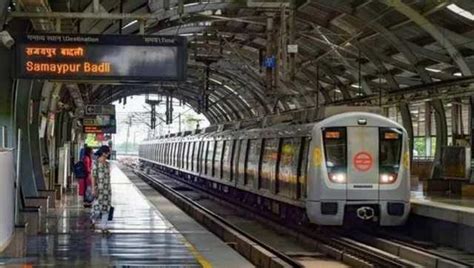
(362, 161)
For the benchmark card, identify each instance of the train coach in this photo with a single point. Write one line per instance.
(353, 166)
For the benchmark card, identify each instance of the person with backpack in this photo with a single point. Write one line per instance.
(88, 194)
(83, 172)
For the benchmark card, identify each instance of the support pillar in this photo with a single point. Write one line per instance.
(407, 124)
(441, 136)
(22, 118)
(6, 95)
(34, 135)
(269, 53)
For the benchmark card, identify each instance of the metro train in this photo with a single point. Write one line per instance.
(349, 166)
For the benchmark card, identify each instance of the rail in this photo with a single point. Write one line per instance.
(279, 258)
(331, 243)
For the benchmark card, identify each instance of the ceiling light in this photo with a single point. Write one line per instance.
(215, 81)
(130, 24)
(461, 12)
(458, 74)
(433, 70)
(355, 86)
(337, 90)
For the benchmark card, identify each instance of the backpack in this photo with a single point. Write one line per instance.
(80, 170)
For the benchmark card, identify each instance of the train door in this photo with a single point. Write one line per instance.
(363, 159)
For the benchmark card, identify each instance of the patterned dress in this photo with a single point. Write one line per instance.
(103, 189)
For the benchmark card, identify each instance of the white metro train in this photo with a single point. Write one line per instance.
(349, 166)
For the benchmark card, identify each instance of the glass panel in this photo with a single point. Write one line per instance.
(304, 166)
(335, 149)
(210, 158)
(252, 162)
(288, 168)
(226, 160)
(218, 159)
(241, 161)
(390, 147)
(269, 161)
(185, 155)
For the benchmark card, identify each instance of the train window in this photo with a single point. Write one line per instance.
(242, 161)
(194, 155)
(335, 149)
(269, 163)
(189, 147)
(183, 155)
(253, 158)
(199, 157)
(174, 154)
(178, 156)
(303, 168)
(195, 152)
(210, 157)
(218, 159)
(226, 160)
(160, 152)
(390, 149)
(288, 168)
(204, 157)
(156, 153)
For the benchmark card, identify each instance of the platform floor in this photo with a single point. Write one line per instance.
(449, 208)
(140, 236)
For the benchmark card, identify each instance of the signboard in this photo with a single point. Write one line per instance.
(101, 57)
(293, 49)
(99, 109)
(270, 62)
(99, 119)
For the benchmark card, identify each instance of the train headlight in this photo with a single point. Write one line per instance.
(337, 177)
(387, 178)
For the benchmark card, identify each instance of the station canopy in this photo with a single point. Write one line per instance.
(254, 58)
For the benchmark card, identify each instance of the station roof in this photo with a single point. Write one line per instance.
(349, 51)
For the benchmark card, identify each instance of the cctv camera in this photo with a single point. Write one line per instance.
(7, 39)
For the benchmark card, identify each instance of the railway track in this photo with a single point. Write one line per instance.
(341, 248)
(269, 257)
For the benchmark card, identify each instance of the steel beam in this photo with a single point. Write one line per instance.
(425, 24)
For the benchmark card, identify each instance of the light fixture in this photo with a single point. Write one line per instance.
(433, 70)
(458, 74)
(355, 86)
(6, 39)
(461, 11)
(215, 81)
(130, 24)
(337, 177)
(387, 178)
(337, 91)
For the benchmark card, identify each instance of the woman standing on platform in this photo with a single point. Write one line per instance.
(87, 160)
(102, 189)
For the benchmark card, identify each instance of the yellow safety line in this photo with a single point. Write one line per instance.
(201, 259)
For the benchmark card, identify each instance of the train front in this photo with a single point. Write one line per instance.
(359, 170)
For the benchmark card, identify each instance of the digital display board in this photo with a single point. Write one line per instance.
(99, 119)
(101, 57)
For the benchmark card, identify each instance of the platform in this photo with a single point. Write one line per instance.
(140, 236)
(453, 209)
(443, 219)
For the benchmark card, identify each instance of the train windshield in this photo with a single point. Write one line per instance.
(335, 149)
(390, 149)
